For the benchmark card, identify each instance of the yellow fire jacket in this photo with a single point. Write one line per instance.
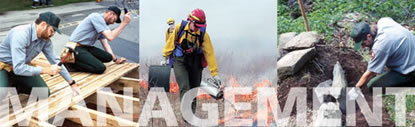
(168, 33)
(207, 46)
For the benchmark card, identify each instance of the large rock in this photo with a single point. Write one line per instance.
(328, 115)
(283, 39)
(303, 40)
(294, 61)
(339, 85)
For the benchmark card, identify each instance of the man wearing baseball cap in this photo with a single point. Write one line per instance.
(390, 45)
(95, 27)
(20, 46)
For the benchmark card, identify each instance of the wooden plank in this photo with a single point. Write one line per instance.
(94, 82)
(134, 73)
(59, 96)
(119, 98)
(111, 121)
(126, 82)
(36, 123)
(60, 82)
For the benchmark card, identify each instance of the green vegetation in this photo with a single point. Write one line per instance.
(410, 107)
(12, 5)
(325, 13)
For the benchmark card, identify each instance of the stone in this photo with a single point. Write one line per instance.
(283, 39)
(294, 61)
(339, 85)
(302, 41)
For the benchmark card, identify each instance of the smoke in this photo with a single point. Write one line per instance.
(243, 33)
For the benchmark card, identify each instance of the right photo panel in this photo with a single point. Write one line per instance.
(349, 62)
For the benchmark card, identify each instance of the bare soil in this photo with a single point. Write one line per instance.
(320, 69)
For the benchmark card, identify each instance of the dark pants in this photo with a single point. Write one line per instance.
(23, 84)
(188, 72)
(392, 79)
(90, 59)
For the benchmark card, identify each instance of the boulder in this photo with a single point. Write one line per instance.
(283, 39)
(294, 61)
(302, 41)
(339, 85)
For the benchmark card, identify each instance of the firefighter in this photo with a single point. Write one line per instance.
(188, 50)
(169, 30)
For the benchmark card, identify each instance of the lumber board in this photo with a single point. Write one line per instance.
(111, 121)
(88, 84)
(126, 82)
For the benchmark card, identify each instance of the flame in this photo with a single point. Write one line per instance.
(143, 84)
(174, 87)
(249, 98)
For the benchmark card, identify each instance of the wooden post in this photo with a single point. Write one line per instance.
(300, 2)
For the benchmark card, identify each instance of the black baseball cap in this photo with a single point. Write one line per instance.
(51, 19)
(359, 33)
(117, 11)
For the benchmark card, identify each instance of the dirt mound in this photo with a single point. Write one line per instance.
(320, 69)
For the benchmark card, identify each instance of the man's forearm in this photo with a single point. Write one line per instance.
(107, 48)
(365, 78)
(111, 35)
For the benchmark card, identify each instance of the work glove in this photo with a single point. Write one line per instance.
(165, 61)
(217, 80)
(354, 93)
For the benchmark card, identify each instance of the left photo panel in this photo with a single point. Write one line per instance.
(69, 63)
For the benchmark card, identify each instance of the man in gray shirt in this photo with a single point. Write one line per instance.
(392, 46)
(20, 46)
(93, 28)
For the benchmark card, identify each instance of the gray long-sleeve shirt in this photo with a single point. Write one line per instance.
(21, 45)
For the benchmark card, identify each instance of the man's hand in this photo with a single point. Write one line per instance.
(76, 90)
(52, 70)
(217, 80)
(120, 60)
(127, 18)
(354, 93)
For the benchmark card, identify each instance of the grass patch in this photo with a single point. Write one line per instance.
(410, 107)
(12, 5)
(325, 13)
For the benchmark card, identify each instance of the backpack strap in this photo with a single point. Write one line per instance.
(181, 31)
(179, 35)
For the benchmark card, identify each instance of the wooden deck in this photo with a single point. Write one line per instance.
(61, 97)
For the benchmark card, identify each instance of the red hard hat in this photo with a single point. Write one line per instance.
(198, 16)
